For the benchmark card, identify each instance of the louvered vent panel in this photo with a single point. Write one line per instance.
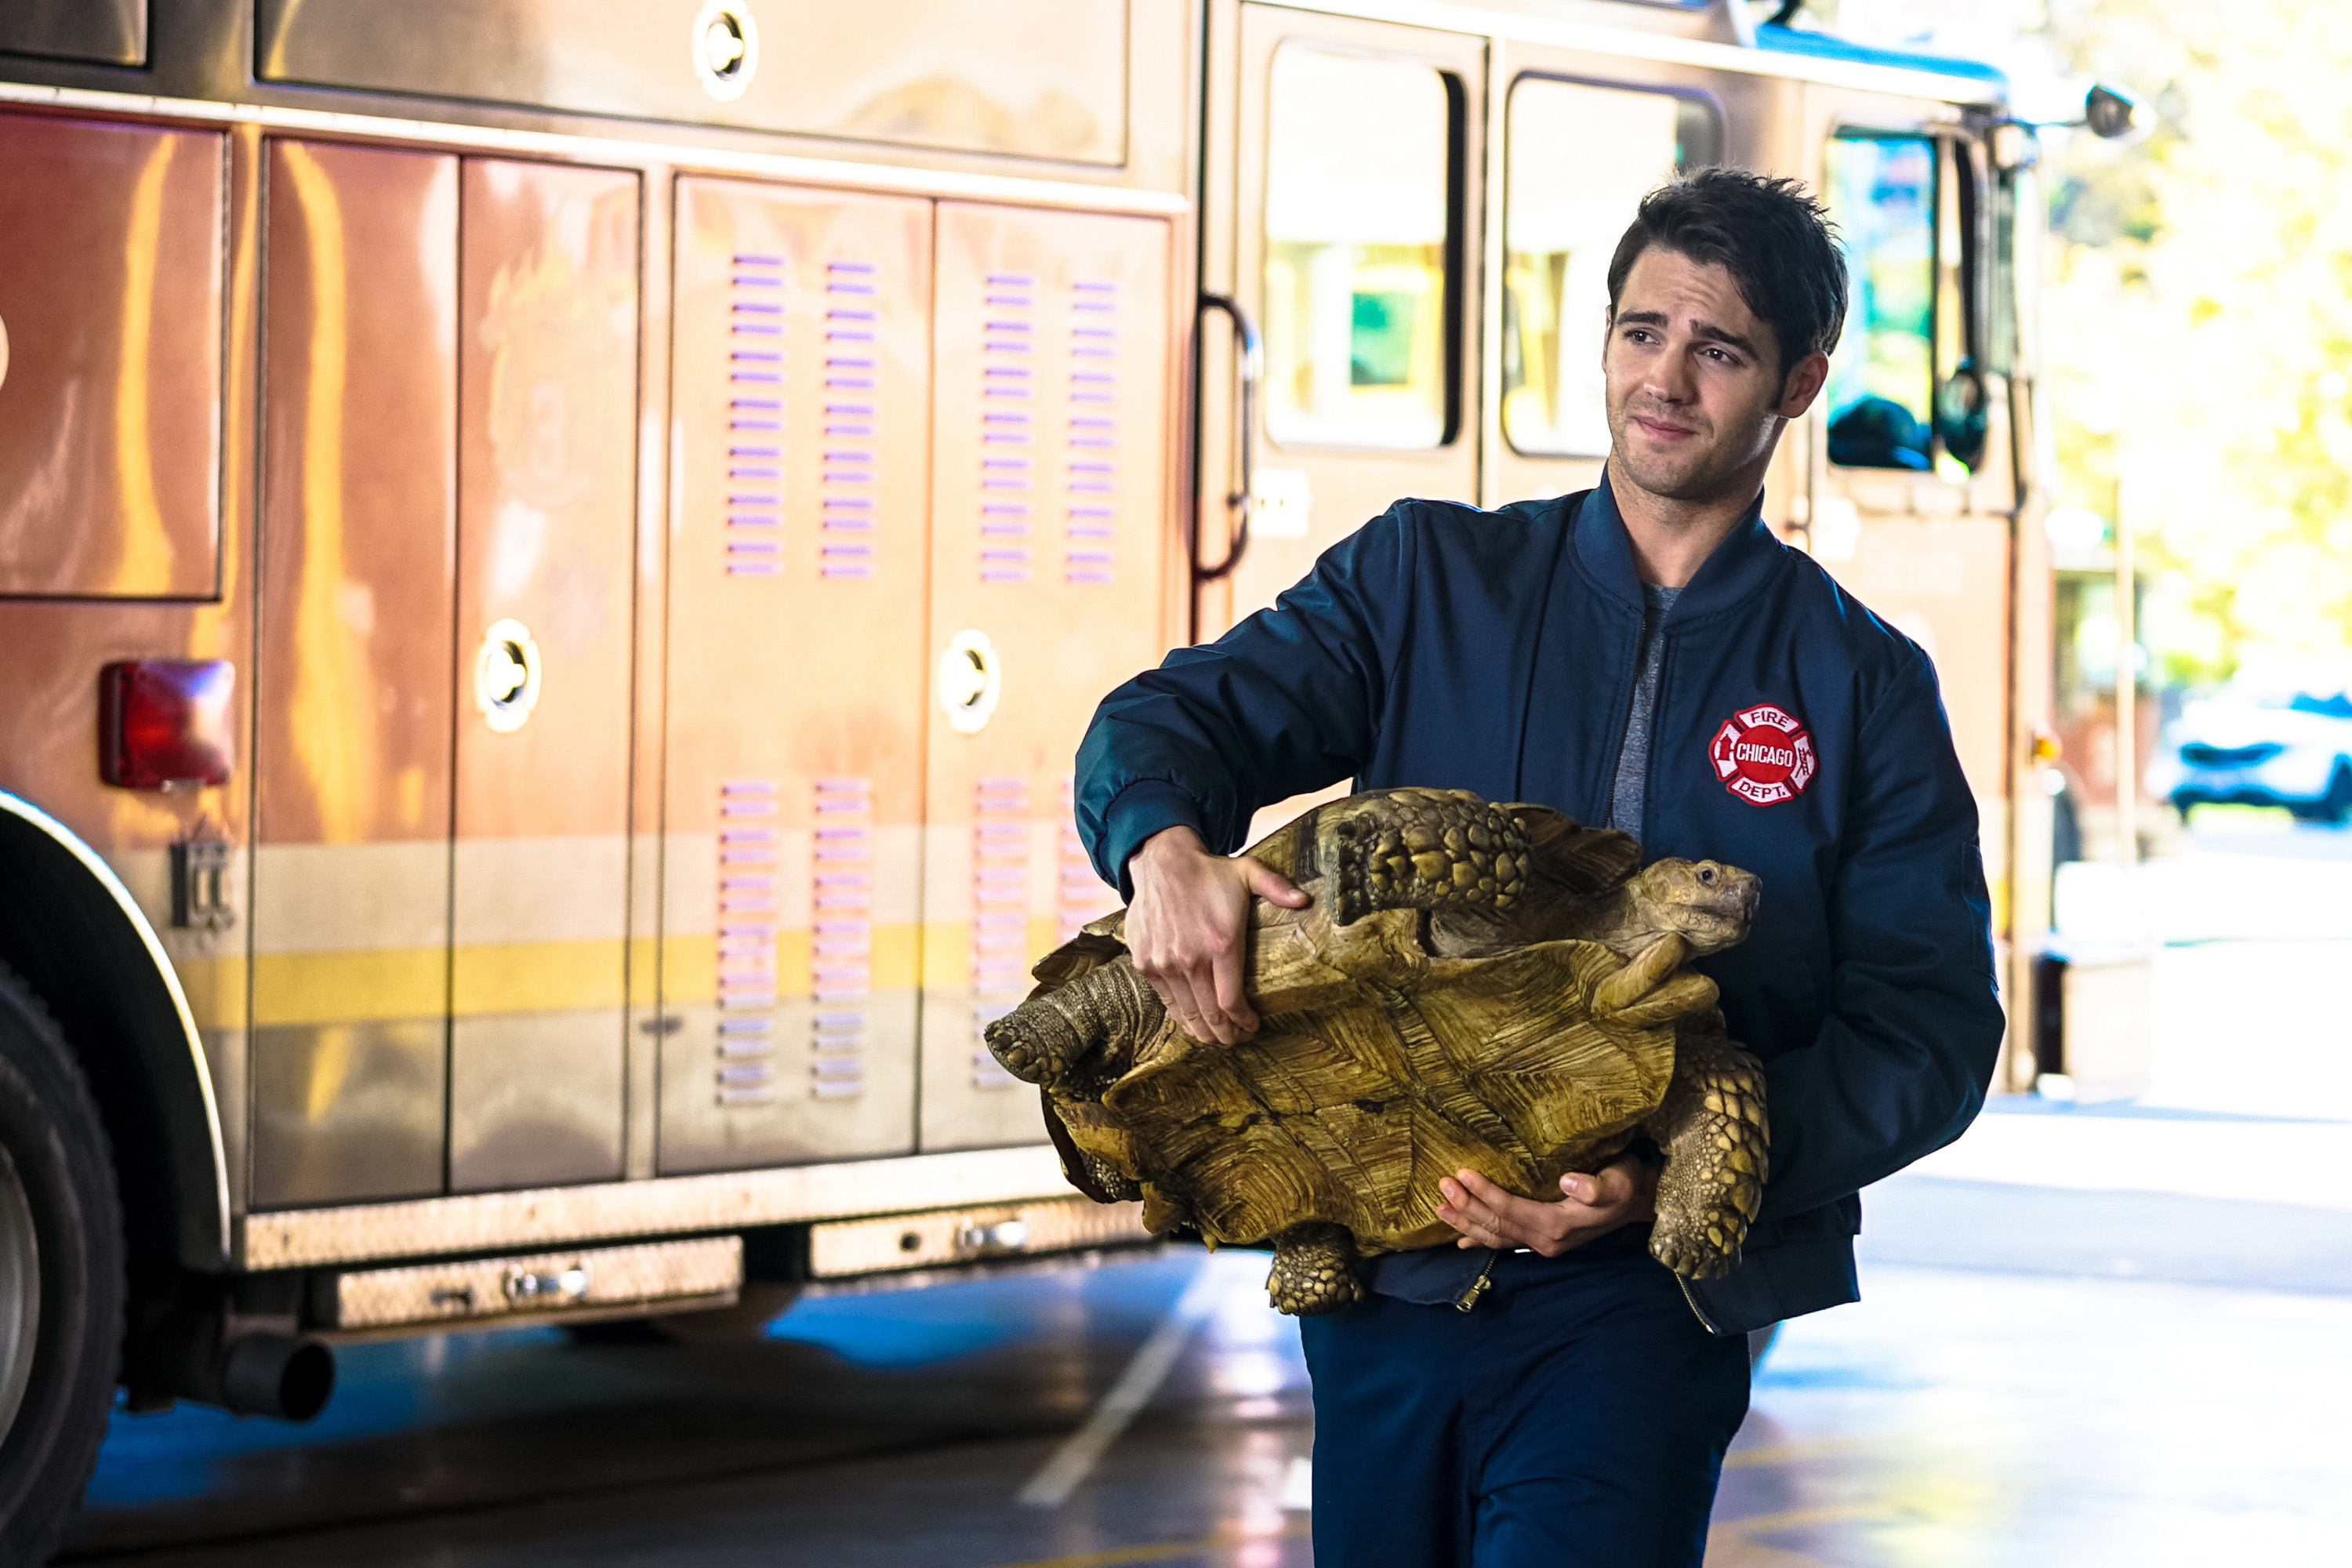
(1008, 435)
(1091, 455)
(841, 927)
(748, 914)
(853, 412)
(756, 331)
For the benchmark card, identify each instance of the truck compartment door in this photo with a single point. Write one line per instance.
(1049, 488)
(352, 711)
(547, 506)
(795, 695)
(110, 359)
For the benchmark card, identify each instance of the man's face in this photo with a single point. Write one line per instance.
(1695, 398)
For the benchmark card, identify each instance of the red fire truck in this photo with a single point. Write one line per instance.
(553, 559)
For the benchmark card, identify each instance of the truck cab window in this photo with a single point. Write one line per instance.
(1882, 192)
(1359, 206)
(1579, 160)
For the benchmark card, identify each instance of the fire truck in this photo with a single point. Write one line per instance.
(554, 558)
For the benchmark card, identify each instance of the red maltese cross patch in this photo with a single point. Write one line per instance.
(1763, 754)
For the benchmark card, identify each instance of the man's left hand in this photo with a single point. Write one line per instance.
(1623, 1192)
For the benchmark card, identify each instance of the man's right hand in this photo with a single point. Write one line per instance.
(1188, 929)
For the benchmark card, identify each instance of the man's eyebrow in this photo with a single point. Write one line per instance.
(1714, 334)
(1706, 330)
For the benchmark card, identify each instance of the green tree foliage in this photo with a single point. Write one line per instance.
(2197, 318)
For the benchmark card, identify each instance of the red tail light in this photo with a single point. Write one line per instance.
(165, 722)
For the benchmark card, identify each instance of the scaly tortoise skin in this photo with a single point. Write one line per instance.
(1472, 985)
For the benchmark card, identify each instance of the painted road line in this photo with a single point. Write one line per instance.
(1071, 1463)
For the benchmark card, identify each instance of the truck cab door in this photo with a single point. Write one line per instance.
(1342, 178)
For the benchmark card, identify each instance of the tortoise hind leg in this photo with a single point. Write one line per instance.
(1419, 849)
(1314, 1270)
(1712, 1129)
(1097, 1023)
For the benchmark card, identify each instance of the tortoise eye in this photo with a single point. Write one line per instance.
(1706, 875)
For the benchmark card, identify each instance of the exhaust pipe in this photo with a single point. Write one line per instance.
(288, 1376)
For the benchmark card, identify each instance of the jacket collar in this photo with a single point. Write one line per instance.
(1738, 566)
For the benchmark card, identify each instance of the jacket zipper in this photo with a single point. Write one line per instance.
(1477, 1287)
(1697, 1311)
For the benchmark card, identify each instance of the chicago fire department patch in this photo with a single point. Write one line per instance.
(1763, 754)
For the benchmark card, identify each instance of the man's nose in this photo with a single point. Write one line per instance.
(1670, 379)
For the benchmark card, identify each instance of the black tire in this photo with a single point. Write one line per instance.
(55, 1175)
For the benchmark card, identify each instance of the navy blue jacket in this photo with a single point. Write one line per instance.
(1450, 648)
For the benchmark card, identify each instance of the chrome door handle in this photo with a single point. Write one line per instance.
(1238, 503)
(561, 1285)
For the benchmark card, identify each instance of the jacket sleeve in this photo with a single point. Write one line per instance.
(1286, 702)
(1914, 1024)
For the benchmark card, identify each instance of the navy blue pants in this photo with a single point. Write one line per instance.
(1577, 1416)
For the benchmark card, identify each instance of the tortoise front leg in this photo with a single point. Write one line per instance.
(1314, 1270)
(1711, 1127)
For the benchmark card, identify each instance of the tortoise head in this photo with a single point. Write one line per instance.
(1707, 903)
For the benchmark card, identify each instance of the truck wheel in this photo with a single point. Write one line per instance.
(60, 1278)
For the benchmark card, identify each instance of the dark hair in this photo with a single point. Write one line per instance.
(1769, 234)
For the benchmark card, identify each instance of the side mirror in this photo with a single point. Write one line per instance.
(2111, 113)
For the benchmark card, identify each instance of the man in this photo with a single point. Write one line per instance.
(1645, 655)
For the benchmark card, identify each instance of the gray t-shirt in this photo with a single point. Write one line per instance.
(1634, 753)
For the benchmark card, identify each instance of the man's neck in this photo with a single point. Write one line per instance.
(1672, 539)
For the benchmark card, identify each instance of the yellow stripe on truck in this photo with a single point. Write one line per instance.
(418, 983)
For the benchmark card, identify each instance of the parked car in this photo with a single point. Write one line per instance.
(2289, 748)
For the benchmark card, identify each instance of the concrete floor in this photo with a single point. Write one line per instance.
(2090, 1336)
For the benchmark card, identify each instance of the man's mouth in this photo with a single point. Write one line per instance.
(1659, 429)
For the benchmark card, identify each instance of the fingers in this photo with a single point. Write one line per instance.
(1603, 1189)
(1486, 1216)
(1271, 885)
(1236, 1022)
(1200, 993)
(1187, 931)
(1622, 1192)
(1176, 990)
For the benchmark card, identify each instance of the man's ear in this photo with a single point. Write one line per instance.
(1803, 385)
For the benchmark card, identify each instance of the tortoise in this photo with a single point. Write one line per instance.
(1476, 986)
